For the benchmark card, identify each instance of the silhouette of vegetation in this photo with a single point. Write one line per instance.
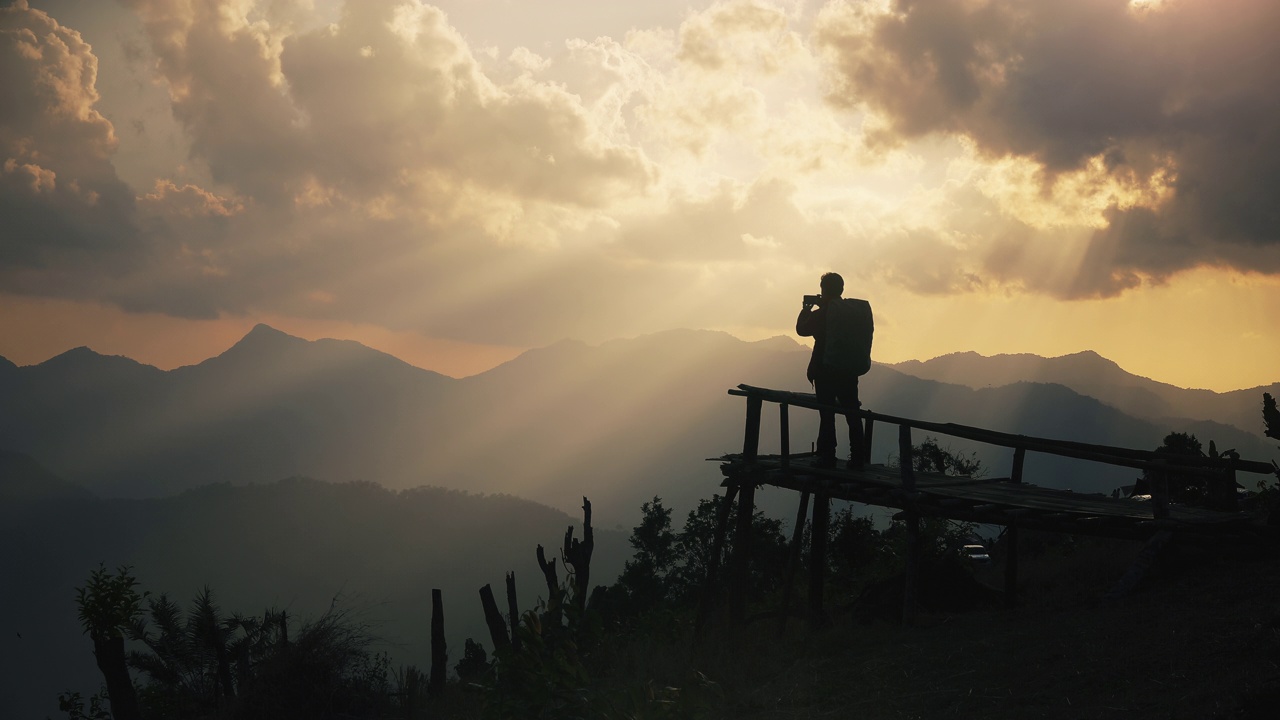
(205, 663)
(108, 605)
(929, 456)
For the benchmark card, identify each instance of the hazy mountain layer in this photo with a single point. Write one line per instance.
(300, 545)
(620, 422)
(1091, 374)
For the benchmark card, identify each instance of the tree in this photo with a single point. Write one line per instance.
(645, 577)
(767, 553)
(474, 663)
(108, 605)
(929, 456)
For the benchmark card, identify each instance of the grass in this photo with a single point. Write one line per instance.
(1199, 639)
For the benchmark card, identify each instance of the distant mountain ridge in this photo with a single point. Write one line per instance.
(1095, 376)
(620, 422)
(296, 544)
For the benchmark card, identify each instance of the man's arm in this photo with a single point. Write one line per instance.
(809, 323)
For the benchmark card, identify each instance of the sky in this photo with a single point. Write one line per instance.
(456, 182)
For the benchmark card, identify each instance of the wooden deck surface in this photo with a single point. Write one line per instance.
(994, 500)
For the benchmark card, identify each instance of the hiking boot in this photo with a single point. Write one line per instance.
(854, 464)
(826, 462)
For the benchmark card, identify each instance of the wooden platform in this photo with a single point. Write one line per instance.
(985, 500)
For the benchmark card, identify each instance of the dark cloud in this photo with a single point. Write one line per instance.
(66, 220)
(1187, 87)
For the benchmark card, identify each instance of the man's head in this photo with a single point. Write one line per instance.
(832, 285)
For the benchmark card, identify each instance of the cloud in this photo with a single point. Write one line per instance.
(1179, 95)
(66, 217)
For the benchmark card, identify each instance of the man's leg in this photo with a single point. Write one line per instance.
(849, 400)
(826, 395)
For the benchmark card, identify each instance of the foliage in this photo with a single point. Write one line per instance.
(766, 554)
(1185, 489)
(474, 663)
(72, 704)
(203, 662)
(109, 603)
(557, 671)
(929, 456)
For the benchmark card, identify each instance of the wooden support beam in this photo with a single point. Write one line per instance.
(986, 507)
(1011, 537)
(751, 436)
(741, 557)
(784, 424)
(793, 560)
(911, 583)
(818, 559)
(710, 590)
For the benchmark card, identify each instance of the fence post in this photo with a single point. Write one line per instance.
(438, 653)
(751, 438)
(1011, 538)
(911, 582)
(784, 423)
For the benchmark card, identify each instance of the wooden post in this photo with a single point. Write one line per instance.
(866, 440)
(1222, 490)
(553, 585)
(709, 589)
(1160, 492)
(1011, 538)
(751, 438)
(784, 422)
(741, 553)
(793, 560)
(439, 656)
(493, 618)
(818, 559)
(513, 611)
(578, 554)
(913, 527)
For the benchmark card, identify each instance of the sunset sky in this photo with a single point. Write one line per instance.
(455, 182)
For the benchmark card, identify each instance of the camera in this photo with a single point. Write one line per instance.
(812, 300)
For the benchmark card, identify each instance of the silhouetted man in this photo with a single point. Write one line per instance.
(841, 329)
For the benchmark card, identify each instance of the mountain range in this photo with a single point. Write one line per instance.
(619, 422)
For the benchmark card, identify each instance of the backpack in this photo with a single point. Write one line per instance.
(848, 337)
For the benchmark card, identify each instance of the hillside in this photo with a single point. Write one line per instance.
(1198, 640)
(300, 545)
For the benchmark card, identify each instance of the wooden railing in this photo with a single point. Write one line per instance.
(1220, 472)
